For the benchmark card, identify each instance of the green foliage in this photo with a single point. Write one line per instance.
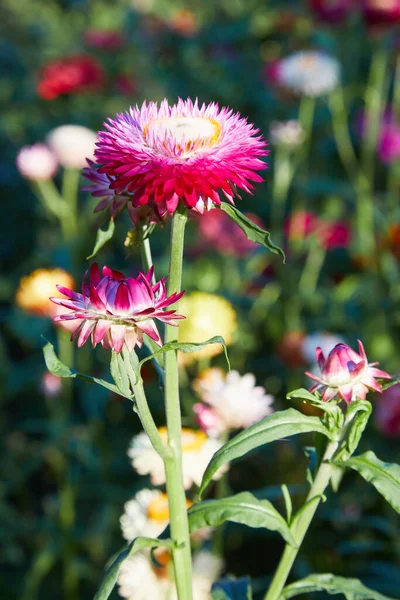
(103, 236)
(352, 589)
(56, 367)
(274, 427)
(385, 477)
(111, 576)
(253, 232)
(241, 508)
(232, 589)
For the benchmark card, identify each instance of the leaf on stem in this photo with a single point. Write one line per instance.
(253, 232)
(187, 347)
(241, 508)
(274, 427)
(58, 369)
(385, 477)
(352, 589)
(119, 374)
(103, 236)
(111, 576)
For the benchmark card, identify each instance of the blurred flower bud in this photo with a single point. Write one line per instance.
(72, 145)
(35, 290)
(37, 162)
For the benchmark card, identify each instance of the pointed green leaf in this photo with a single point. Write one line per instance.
(274, 427)
(242, 508)
(352, 589)
(111, 576)
(119, 374)
(56, 367)
(385, 477)
(253, 232)
(103, 236)
(187, 347)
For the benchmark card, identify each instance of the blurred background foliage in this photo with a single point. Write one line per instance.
(65, 473)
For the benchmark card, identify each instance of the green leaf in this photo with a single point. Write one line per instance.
(253, 232)
(111, 576)
(103, 236)
(232, 589)
(119, 374)
(334, 415)
(242, 508)
(187, 347)
(56, 367)
(352, 589)
(274, 427)
(385, 477)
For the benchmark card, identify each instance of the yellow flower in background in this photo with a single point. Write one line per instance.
(206, 315)
(35, 290)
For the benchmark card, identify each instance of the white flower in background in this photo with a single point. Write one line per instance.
(234, 401)
(309, 72)
(147, 514)
(322, 339)
(72, 144)
(286, 133)
(139, 579)
(197, 450)
(37, 162)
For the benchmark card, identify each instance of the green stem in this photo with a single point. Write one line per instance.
(300, 527)
(173, 465)
(145, 253)
(312, 269)
(131, 365)
(54, 204)
(70, 189)
(283, 175)
(341, 134)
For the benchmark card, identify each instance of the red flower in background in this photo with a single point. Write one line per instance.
(218, 230)
(387, 413)
(70, 75)
(381, 12)
(330, 234)
(331, 11)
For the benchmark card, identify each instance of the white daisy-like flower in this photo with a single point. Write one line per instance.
(234, 401)
(309, 72)
(197, 450)
(139, 579)
(286, 133)
(147, 514)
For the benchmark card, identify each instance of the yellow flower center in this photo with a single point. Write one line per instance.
(158, 509)
(186, 135)
(191, 440)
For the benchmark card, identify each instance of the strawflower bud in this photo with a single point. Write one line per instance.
(37, 162)
(346, 374)
(115, 310)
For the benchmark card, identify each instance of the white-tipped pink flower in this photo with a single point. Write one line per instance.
(115, 310)
(37, 162)
(185, 152)
(346, 374)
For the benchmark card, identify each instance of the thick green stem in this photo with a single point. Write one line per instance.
(300, 527)
(341, 133)
(312, 269)
(55, 204)
(70, 189)
(283, 175)
(146, 418)
(173, 465)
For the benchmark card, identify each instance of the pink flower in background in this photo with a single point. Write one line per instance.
(331, 11)
(330, 234)
(37, 162)
(300, 225)
(104, 39)
(387, 413)
(50, 385)
(389, 142)
(125, 85)
(346, 374)
(114, 310)
(334, 235)
(70, 75)
(182, 152)
(217, 230)
(381, 12)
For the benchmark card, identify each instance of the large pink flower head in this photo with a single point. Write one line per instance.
(164, 154)
(114, 309)
(346, 374)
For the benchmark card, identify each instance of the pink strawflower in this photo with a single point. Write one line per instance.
(186, 152)
(115, 309)
(334, 235)
(37, 162)
(219, 231)
(387, 412)
(346, 374)
(103, 39)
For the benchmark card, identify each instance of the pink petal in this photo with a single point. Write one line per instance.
(85, 332)
(114, 274)
(320, 357)
(101, 330)
(117, 333)
(94, 275)
(150, 329)
(122, 302)
(346, 392)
